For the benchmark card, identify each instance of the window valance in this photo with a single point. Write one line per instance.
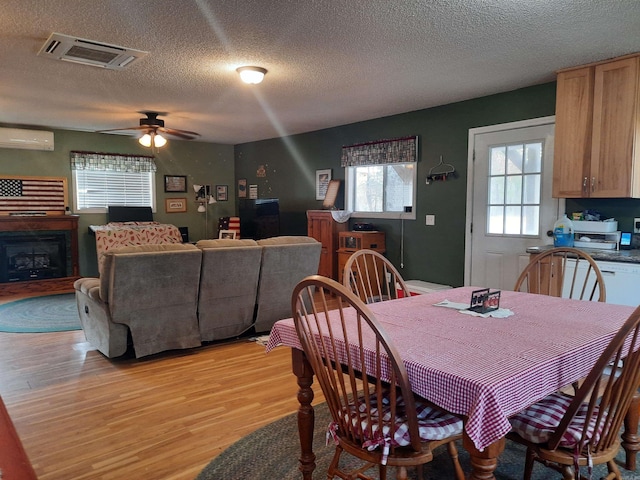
(397, 150)
(112, 162)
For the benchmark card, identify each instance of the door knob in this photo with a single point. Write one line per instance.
(549, 233)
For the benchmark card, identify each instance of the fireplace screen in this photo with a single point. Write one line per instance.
(32, 257)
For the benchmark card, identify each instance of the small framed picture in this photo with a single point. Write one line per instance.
(175, 205)
(221, 193)
(323, 177)
(175, 183)
(242, 188)
(228, 234)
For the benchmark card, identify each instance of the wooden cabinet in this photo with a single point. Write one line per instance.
(353, 241)
(322, 227)
(597, 134)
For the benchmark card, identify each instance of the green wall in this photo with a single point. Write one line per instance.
(203, 163)
(434, 253)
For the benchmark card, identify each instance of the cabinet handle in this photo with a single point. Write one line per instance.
(584, 185)
(593, 184)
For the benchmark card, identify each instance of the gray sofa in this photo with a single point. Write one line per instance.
(179, 295)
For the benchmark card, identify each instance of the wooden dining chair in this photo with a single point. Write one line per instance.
(372, 277)
(567, 432)
(355, 364)
(550, 273)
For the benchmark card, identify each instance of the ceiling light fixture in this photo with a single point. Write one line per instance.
(251, 75)
(148, 138)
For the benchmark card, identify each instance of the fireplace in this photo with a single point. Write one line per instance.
(36, 256)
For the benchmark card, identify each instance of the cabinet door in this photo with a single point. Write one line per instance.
(572, 150)
(615, 125)
(319, 227)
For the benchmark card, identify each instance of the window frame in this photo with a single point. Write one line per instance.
(349, 175)
(76, 210)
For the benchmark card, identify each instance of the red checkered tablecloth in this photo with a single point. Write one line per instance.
(488, 369)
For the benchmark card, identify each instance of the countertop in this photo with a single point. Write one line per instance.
(625, 256)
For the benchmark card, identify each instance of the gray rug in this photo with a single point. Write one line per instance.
(50, 313)
(272, 453)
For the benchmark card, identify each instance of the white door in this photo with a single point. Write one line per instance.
(509, 203)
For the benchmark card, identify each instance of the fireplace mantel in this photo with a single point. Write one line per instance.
(33, 223)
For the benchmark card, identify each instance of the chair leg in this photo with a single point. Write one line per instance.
(333, 466)
(382, 472)
(528, 464)
(453, 453)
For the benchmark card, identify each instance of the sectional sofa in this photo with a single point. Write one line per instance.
(174, 296)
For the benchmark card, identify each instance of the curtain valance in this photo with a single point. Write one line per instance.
(112, 162)
(397, 150)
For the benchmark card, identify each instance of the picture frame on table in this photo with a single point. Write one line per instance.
(228, 234)
(323, 177)
(175, 205)
(175, 183)
(222, 193)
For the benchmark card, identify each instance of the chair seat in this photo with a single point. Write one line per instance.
(433, 423)
(537, 423)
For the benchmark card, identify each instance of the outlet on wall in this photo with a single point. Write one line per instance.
(636, 225)
(430, 220)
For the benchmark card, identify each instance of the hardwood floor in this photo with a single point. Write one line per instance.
(82, 416)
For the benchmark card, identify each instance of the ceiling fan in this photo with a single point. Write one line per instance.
(154, 130)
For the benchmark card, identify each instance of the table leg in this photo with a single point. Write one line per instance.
(306, 417)
(484, 463)
(630, 437)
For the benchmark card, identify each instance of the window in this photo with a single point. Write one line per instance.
(515, 173)
(103, 179)
(380, 178)
(381, 190)
(99, 189)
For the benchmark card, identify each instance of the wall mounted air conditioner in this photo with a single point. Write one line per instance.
(26, 139)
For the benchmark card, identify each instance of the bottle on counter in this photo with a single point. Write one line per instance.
(563, 232)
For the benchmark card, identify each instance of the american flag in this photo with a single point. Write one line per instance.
(32, 195)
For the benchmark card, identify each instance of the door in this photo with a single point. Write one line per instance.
(509, 203)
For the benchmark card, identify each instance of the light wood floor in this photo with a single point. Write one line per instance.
(82, 416)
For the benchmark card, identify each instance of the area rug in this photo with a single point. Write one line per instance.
(272, 452)
(50, 313)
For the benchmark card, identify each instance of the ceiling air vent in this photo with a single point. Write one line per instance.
(88, 52)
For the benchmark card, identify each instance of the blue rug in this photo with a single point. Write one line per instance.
(51, 313)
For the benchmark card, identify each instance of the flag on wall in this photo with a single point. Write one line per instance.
(32, 195)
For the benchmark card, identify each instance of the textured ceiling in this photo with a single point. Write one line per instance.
(330, 62)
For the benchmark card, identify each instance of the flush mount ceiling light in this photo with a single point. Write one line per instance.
(251, 75)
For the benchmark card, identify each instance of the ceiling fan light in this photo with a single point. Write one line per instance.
(159, 141)
(145, 140)
(251, 75)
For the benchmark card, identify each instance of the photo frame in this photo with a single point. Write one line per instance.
(323, 177)
(228, 234)
(221, 193)
(175, 183)
(242, 188)
(175, 205)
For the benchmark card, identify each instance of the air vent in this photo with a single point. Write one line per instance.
(88, 52)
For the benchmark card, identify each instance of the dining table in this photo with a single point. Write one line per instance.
(483, 367)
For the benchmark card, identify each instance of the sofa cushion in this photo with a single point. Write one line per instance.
(226, 243)
(105, 273)
(286, 240)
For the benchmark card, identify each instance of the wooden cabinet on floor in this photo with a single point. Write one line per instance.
(322, 227)
(597, 134)
(351, 242)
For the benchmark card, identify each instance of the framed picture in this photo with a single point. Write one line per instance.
(323, 177)
(175, 183)
(221, 193)
(242, 188)
(229, 234)
(175, 205)
(253, 192)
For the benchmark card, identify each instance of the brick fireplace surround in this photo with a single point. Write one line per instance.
(27, 225)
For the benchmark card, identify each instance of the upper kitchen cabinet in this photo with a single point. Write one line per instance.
(597, 135)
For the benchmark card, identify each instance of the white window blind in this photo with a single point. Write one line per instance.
(99, 189)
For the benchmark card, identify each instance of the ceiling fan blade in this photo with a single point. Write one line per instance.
(122, 129)
(187, 135)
